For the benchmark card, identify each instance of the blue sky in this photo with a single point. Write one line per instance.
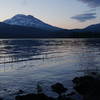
(62, 13)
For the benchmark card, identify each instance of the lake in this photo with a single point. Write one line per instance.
(26, 62)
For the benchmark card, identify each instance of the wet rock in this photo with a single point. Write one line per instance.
(71, 94)
(69, 98)
(88, 87)
(1, 98)
(59, 88)
(93, 73)
(64, 98)
(33, 97)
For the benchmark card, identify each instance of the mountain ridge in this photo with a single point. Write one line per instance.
(24, 30)
(29, 21)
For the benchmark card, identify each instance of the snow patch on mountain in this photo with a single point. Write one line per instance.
(29, 21)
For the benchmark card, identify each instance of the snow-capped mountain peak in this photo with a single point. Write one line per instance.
(29, 21)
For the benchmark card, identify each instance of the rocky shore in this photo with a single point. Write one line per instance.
(87, 87)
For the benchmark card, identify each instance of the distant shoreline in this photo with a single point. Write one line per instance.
(51, 38)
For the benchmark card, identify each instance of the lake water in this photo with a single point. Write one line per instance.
(26, 62)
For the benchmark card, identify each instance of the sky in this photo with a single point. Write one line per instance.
(68, 14)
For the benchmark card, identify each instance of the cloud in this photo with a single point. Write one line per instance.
(92, 3)
(84, 17)
(91, 10)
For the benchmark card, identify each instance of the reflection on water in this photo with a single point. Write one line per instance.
(81, 53)
(24, 63)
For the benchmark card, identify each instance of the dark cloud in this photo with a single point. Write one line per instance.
(92, 3)
(84, 17)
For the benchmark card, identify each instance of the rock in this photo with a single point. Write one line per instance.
(88, 87)
(93, 73)
(1, 98)
(33, 97)
(59, 88)
(71, 94)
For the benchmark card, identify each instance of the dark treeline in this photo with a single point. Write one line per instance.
(14, 31)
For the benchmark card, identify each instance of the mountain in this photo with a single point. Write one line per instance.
(93, 28)
(22, 26)
(16, 31)
(30, 21)
(92, 31)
